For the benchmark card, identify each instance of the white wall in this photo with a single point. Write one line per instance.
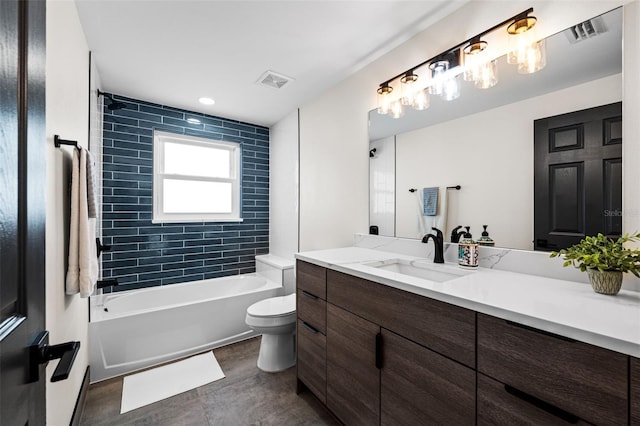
(333, 127)
(283, 187)
(494, 166)
(67, 115)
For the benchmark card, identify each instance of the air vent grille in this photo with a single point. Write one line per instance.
(585, 30)
(274, 79)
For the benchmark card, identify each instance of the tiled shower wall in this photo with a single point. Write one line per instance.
(144, 254)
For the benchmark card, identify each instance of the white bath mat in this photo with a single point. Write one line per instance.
(168, 380)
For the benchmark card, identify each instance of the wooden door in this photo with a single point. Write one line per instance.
(22, 207)
(353, 379)
(577, 176)
(422, 387)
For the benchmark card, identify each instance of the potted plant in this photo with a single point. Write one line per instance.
(604, 259)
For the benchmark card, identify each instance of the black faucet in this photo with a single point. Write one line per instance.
(455, 235)
(438, 241)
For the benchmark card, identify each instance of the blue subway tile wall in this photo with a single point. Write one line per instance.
(144, 254)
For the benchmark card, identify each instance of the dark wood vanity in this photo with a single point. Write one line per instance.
(374, 354)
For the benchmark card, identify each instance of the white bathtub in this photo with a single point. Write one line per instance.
(135, 329)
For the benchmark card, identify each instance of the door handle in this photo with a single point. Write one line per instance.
(40, 352)
(378, 350)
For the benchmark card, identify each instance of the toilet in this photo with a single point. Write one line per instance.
(275, 317)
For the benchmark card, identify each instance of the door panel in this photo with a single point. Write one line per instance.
(353, 380)
(578, 176)
(22, 207)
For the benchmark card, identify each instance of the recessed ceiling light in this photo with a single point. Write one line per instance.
(193, 121)
(206, 101)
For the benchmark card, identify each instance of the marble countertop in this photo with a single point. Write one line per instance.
(562, 307)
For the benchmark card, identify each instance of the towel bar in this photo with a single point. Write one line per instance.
(57, 142)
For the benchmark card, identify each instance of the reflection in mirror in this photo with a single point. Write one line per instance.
(484, 141)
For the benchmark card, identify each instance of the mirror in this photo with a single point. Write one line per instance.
(483, 141)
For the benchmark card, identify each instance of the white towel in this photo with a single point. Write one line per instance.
(82, 272)
(440, 219)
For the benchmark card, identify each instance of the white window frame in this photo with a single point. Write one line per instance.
(159, 141)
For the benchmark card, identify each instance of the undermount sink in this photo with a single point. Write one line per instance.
(419, 269)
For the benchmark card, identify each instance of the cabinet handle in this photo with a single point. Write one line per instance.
(310, 328)
(306, 293)
(549, 408)
(535, 330)
(379, 350)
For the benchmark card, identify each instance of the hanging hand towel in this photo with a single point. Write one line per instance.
(440, 219)
(82, 272)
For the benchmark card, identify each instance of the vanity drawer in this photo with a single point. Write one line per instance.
(311, 278)
(312, 310)
(501, 405)
(312, 360)
(441, 327)
(584, 380)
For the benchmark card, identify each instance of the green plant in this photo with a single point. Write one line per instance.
(603, 253)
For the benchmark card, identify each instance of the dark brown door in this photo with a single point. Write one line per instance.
(578, 176)
(22, 207)
(353, 379)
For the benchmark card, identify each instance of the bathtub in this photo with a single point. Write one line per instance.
(136, 329)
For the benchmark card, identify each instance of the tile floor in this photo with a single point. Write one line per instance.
(246, 396)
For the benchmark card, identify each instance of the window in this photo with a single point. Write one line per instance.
(195, 179)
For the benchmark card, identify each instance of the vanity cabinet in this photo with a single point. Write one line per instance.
(375, 354)
(568, 377)
(634, 378)
(311, 328)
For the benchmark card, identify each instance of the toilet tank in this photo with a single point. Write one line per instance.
(277, 269)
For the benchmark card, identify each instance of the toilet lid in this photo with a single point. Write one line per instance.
(273, 307)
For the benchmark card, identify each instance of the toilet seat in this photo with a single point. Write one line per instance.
(273, 307)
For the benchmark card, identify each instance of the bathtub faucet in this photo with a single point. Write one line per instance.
(100, 284)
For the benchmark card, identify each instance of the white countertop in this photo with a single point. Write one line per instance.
(566, 308)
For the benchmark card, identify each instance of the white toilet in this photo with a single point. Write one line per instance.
(275, 317)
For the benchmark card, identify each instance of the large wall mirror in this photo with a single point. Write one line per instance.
(484, 142)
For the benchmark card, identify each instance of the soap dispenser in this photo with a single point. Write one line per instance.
(486, 240)
(467, 251)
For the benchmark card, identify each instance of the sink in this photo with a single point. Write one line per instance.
(419, 269)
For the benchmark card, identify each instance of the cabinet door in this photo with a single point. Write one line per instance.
(353, 380)
(421, 387)
(634, 378)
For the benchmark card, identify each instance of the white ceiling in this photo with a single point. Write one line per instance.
(173, 52)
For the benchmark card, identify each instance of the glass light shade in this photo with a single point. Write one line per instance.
(384, 99)
(487, 75)
(438, 69)
(535, 58)
(451, 89)
(421, 100)
(409, 87)
(474, 57)
(522, 36)
(397, 109)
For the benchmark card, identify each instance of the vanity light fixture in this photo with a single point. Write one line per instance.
(478, 66)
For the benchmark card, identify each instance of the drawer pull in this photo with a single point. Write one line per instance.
(312, 296)
(535, 330)
(379, 350)
(310, 328)
(549, 408)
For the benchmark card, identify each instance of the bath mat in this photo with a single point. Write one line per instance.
(168, 380)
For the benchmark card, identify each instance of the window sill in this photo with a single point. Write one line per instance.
(208, 220)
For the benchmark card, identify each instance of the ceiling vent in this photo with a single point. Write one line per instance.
(273, 79)
(585, 30)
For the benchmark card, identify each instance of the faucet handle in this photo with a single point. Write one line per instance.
(439, 234)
